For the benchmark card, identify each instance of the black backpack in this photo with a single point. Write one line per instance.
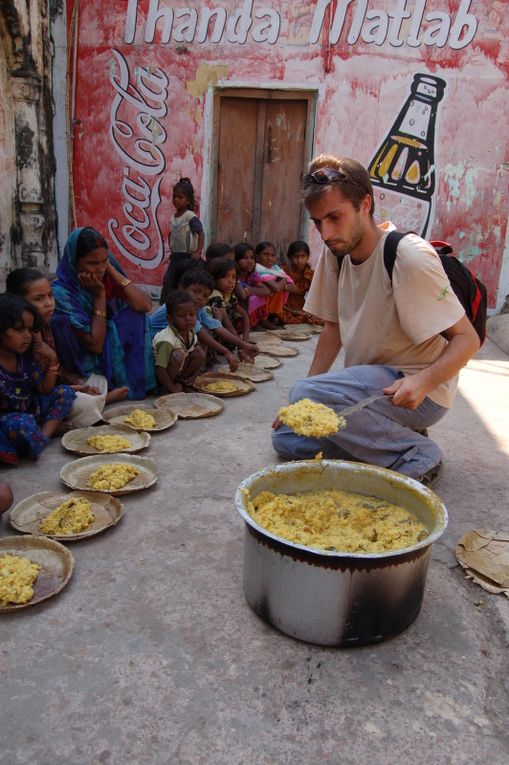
(469, 290)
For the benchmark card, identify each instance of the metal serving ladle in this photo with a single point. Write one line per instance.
(361, 404)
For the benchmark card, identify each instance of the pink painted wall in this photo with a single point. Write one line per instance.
(143, 96)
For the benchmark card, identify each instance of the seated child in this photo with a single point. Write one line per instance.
(199, 284)
(218, 250)
(92, 394)
(254, 292)
(177, 354)
(32, 405)
(302, 274)
(222, 298)
(279, 283)
(213, 251)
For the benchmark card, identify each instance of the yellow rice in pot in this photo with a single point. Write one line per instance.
(337, 520)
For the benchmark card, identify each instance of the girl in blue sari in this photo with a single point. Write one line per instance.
(100, 324)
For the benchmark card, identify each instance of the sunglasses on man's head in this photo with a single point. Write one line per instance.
(326, 176)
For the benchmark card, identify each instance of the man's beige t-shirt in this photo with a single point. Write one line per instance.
(397, 325)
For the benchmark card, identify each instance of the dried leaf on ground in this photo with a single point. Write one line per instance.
(484, 554)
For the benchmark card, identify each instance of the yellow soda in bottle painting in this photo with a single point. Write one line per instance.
(402, 171)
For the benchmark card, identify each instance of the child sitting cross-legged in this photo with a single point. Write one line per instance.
(177, 355)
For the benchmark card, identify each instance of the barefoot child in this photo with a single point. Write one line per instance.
(177, 354)
(253, 292)
(298, 268)
(32, 406)
(211, 333)
(91, 394)
(233, 317)
(279, 283)
(186, 238)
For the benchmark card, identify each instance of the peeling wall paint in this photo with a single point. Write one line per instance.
(206, 75)
(27, 209)
(361, 57)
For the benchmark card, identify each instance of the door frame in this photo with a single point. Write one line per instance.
(266, 93)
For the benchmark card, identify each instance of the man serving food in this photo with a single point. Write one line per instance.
(407, 337)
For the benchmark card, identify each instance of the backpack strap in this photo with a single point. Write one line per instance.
(443, 248)
(392, 240)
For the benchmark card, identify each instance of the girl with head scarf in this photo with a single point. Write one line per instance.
(100, 324)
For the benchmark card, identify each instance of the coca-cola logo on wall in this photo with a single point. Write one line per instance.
(138, 137)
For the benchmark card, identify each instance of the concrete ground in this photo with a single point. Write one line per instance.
(150, 655)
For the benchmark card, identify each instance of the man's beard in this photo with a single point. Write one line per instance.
(340, 251)
(345, 248)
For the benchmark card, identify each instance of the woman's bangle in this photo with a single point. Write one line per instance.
(125, 283)
(101, 314)
(54, 368)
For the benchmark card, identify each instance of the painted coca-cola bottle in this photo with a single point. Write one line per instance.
(403, 169)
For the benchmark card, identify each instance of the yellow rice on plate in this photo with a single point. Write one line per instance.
(70, 517)
(113, 476)
(140, 419)
(220, 386)
(17, 577)
(109, 443)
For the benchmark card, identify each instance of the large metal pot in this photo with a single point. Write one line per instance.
(332, 598)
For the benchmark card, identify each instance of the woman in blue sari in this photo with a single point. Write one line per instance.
(100, 324)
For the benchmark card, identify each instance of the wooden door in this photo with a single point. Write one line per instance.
(261, 155)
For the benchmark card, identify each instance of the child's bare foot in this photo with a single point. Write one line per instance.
(117, 394)
(264, 324)
(62, 428)
(175, 388)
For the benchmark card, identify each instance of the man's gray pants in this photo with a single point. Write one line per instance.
(380, 434)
